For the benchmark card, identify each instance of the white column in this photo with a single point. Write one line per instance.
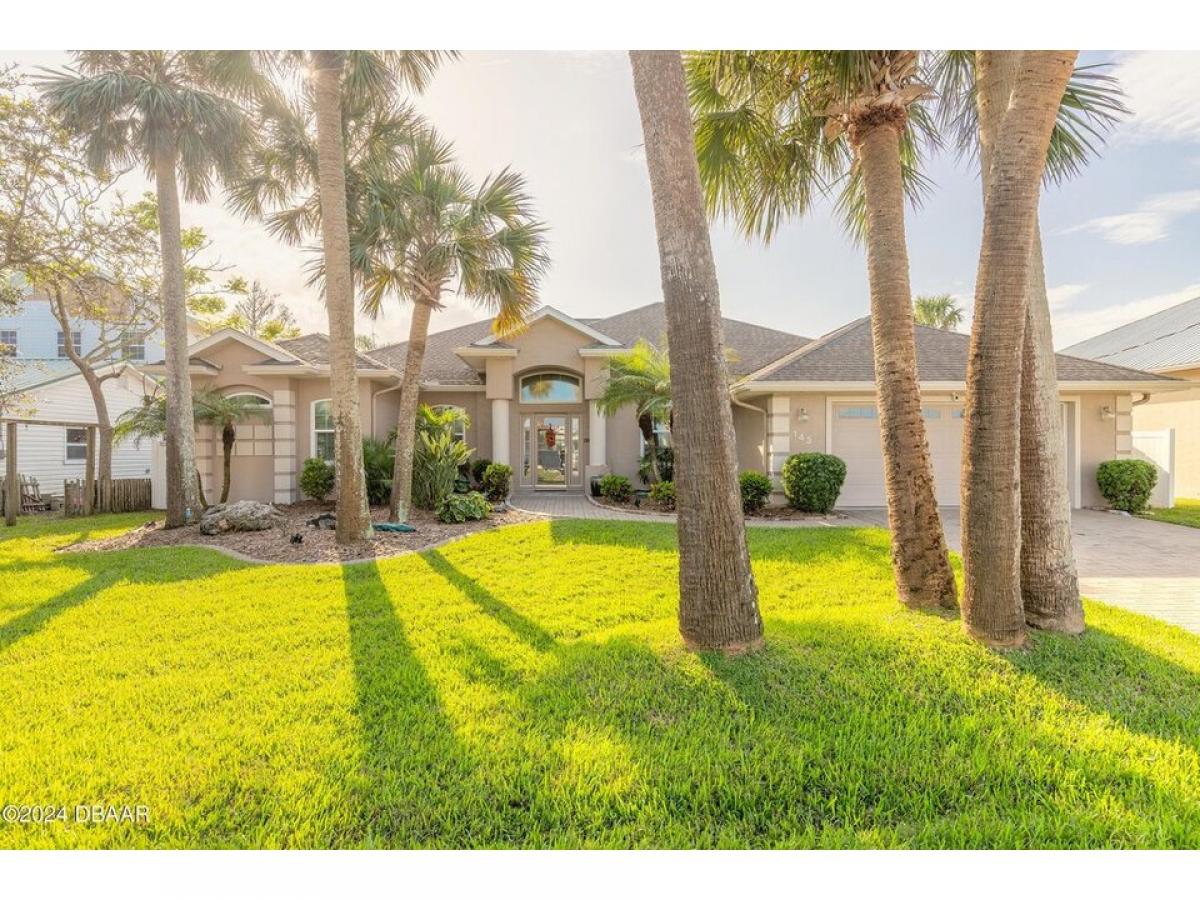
(779, 433)
(597, 432)
(500, 432)
(283, 434)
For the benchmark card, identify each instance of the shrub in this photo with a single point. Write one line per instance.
(458, 508)
(1126, 483)
(316, 478)
(812, 481)
(663, 492)
(478, 467)
(666, 465)
(379, 460)
(436, 459)
(756, 488)
(616, 488)
(496, 481)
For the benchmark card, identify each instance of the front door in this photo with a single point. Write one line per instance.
(552, 451)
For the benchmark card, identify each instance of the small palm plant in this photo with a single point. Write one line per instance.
(938, 311)
(226, 413)
(149, 421)
(640, 378)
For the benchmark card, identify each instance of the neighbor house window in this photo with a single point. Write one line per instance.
(458, 429)
(322, 445)
(8, 342)
(133, 346)
(76, 444)
(76, 343)
(550, 387)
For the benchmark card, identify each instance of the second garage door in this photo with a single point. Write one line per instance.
(855, 438)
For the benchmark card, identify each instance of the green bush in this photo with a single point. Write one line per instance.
(316, 478)
(812, 481)
(496, 481)
(1126, 483)
(458, 508)
(616, 488)
(666, 465)
(379, 460)
(663, 492)
(756, 489)
(436, 460)
(478, 467)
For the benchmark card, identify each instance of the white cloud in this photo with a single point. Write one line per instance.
(1150, 222)
(1163, 91)
(1072, 327)
(1063, 294)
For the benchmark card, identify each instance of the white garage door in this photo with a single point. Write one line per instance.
(856, 440)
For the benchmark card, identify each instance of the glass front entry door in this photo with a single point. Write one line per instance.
(552, 451)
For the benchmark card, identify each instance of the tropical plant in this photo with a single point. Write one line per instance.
(718, 597)
(663, 493)
(1126, 483)
(993, 603)
(150, 421)
(640, 378)
(756, 490)
(177, 114)
(665, 460)
(478, 467)
(224, 413)
(468, 507)
(317, 479)
(938, 311)
(775, 129)
(813, 481)
(435, 467)
(497, 481)
(1091, 105)
(616, 488)
(377, 469)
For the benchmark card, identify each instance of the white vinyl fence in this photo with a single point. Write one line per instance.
(1158, 448)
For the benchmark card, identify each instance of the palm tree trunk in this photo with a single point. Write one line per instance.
(920, 562)
(228, 436)
(353, 515)
(182, 498)
(200, 491)
(993, 609)
(406, 421)
(718, 599)
(1049, 583)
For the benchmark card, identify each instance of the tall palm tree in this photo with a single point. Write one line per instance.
(1092, 104)
(640, 378)
(175, 112)
(993, 606)
(718, 599)
(938, 311)
(308, 178)
(774, 129)
(225, 413)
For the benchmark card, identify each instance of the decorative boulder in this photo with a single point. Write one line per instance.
(244, 515)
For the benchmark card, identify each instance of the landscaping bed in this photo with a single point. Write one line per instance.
(767, 513)
(318, 545)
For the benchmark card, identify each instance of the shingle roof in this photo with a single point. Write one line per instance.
(754, 345)
(1167, 339)
(847, 355)
(314, 349)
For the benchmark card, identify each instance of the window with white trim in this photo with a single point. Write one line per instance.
(8, 338)
(133, 346)
(551, 387)
(76, 342)
(322, 430)
(76, 445)
(255, 399)
(662, 431)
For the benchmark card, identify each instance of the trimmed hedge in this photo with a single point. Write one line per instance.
(316, 478)
(812, 481)
(616, 488)
(1126, 483)
(756, 489)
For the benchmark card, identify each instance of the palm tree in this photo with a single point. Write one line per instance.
(1092, 104)
(308, 179)
(938, 311)
(775, 128)
(640, 378)
(175, 112)
(993, 606)
(718, 599)
(225, 413)
(150, 421)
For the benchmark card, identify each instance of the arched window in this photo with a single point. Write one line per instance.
(322, 430)
(253, 397)
(458, 429)
(551, 387)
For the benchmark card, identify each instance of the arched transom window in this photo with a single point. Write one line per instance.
(551, 387)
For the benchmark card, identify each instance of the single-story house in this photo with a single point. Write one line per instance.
(532, 401)
(1167, 343)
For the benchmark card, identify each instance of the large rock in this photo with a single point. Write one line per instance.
(244, 515)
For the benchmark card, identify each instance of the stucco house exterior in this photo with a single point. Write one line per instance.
(1167, 343)
(532, 401)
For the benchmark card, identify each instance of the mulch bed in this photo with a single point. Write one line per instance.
(770, 513)
(318, 545)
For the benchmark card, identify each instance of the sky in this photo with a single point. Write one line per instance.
(1120, 239)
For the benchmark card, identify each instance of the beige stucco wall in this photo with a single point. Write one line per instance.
(750, 428)
(1181, 411)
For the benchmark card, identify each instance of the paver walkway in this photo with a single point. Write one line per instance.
(1146, 566)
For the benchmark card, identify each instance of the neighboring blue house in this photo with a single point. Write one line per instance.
(34, 333)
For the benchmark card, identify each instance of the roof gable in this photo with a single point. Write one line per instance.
(549, 312)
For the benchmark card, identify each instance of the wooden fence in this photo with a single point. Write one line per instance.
(125, 495)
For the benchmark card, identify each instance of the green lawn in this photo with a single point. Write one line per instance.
(526, 688)
(1184, 512)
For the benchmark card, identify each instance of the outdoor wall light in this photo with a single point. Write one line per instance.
(1107, 413)
(803, 414)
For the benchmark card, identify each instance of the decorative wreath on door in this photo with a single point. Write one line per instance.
(550, 438)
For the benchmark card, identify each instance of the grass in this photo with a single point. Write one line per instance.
(526, 688)
(1184, 512)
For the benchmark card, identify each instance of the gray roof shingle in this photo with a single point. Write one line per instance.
(314, 349)
(1164, 340)
(847, 355)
